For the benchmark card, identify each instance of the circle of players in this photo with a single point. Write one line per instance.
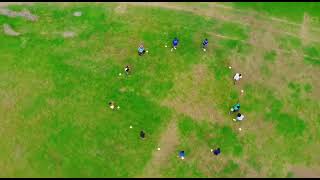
(234, 109)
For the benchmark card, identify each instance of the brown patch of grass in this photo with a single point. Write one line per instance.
(304, 172)
(168, 142)
(7, 29)
(244, 18)
(121, 9)
(305, 30)
(188, 100)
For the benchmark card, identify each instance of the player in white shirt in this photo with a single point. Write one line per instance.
(237, 77)
(127, 69)
(240, 117)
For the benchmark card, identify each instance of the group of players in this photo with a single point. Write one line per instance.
(234, 109)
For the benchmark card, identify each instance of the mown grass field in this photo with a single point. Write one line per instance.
(55, 120)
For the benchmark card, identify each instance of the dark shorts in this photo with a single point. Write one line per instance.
(141, 53)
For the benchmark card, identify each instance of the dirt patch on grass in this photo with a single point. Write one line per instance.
(68, 34)
(305, 30)
(121, 9)
(287, 66)
(5, 4)
(168, 141)
(230, 14)
(186, 98)
(24, 14)
(7, 29)
(303, 172)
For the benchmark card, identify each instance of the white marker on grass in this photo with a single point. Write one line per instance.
(118, 107)
(230, 67)
(165, 46)
(204, 49)
(130, 127)
(240, 129)
(119, 74)
(242, 90)
(158, 149)
(78, 13)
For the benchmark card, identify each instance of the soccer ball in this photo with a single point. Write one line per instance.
(229, 67)
(158, 149)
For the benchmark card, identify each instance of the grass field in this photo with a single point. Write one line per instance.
(55, 89)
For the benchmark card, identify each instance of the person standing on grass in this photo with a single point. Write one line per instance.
(236, 77)
(127, 70)
(141, 50)
(175, 43)
(216, 151)
(205, 44)
(142, 135)
(235, 108)
(112, 105)
(181, 154)
(240, 117)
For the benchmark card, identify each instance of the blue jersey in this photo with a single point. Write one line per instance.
(175, 42)
(216, 151)
(140, 49)
(205, 42)
(181, 154)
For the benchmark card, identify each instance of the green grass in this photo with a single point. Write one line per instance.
(307, 88)
(289, 43)
(293, 11)
(234, 31)
(54, 94)
(313, 55)
(270, 56)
